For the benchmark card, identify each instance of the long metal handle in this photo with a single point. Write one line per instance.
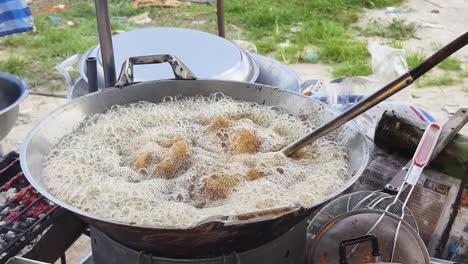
(181, 72)
(91, 72)
(379, 96)
(448, 132)
(105, 39)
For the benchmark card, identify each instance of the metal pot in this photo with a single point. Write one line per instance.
(207, 55)
(214, 236)
(271, 72)
(13, 91)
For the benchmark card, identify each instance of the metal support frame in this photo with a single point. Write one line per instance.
(220, 17)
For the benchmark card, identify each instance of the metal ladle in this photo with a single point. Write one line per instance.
(379, 96)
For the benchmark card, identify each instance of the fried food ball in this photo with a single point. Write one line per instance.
(239, 116)
(300, 154)
(245, 141)
(218, 187)
(176, 159)
(218, 122)
(142, 161)
(169, 142)
(254, 174)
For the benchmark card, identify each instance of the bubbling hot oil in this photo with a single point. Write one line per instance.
(91, 168)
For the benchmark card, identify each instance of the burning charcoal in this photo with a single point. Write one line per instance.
(10, 234)
(10, 193)
(2, 223)
(5, 211)
(3, 198)
(12, 215)
(15, 225)
(17, 208)
(29, 221)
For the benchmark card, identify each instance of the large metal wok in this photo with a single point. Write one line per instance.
(215, 236)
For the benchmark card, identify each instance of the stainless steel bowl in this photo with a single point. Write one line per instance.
(13, 91)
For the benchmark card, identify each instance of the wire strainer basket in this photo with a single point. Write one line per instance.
(357, 201)
(397, 209)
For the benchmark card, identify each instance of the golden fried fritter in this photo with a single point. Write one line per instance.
(218, 122)
(168, 143)
(142, 161)
(254, 174)
(176, 159)
(300, 154)
(242, 116)
(218, 187)
(245, 141)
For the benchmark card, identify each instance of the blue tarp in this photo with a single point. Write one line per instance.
(15, 17)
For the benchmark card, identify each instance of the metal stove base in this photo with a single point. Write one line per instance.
(287, 249)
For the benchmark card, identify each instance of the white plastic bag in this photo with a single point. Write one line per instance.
(387, 63)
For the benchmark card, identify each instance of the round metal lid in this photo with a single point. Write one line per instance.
(206, 55)
(324, 248)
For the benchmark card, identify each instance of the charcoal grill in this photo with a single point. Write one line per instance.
(27, 218)
(24, 213)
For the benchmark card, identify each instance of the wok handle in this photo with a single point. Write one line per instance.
(181, 72)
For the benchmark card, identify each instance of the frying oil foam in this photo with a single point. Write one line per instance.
(91, 167)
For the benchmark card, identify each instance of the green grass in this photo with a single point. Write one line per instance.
(14, 65)
(441, 80)
(36, 53)
(450, 71)
(325, 24)
(463, 74)
(397, 29)
(396, 44)
(414, 59)
(450, 64)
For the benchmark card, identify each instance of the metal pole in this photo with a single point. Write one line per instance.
(220, 16)
(105, 39)
(91, 72)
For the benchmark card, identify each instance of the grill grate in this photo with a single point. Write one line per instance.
(24, 213)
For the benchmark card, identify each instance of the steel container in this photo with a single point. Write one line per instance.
(13, 91)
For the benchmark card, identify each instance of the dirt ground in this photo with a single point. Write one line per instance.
(438, 22)
(434, 30)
